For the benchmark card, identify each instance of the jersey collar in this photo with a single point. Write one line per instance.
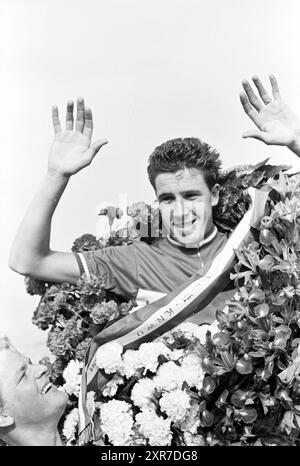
(198, 245)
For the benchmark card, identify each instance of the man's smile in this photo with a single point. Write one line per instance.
(46, 388)
(185, 228)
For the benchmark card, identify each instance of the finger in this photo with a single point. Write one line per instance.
(88, 122)
(249, 110)
(55, 119)
(94, 149)
(80, 115)
(260, 135)
(255, 102)
(69, 117)
(275, 87)
(261, 90)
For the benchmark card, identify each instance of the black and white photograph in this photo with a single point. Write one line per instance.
(150, 236)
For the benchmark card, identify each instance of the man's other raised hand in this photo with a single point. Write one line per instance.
(275, 120)
(71, 149)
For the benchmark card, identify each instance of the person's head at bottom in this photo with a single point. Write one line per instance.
(30, 406)
(184, 174)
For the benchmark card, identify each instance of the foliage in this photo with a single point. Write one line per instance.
(251, 365)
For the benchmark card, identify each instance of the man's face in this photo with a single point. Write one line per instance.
(185, 203)
(27, 395)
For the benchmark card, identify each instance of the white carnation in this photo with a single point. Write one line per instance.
(192, 331)
(117, 422)
(142, 392)
(70, 426)
(214, 327)
(72, 376)
(175, 404)
(192, 372)
(149, 353)
(188, 328)
(193, 440)
(130, 363)
(169, 376)
(191, 422)
(154, 428)
(111, 387)
(176, 354)
(108, 357)
(201, 332)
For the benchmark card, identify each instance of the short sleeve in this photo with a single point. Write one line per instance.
(115, 265)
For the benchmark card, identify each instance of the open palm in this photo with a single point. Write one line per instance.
(276, 122)
(72, 150)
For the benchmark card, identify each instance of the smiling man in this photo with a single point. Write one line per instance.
(186, 189)
(184, 174)
(30, 406)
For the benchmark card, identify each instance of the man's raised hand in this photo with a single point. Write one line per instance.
(276, 122)
(71, 149)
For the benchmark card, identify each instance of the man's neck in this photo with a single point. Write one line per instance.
(33, 437)
(209, 236)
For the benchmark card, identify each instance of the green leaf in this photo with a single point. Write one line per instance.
(238, 398)
(284, 266)
(278, 300)
(221, 316)
(209, 385)
(273, 170)
(262, 310)
(268, 370)
(287, 421)
(266, 237)
(258, 166)
(288, 374)
(228, 359)
(222, 400)
(283, 329)
(266, 263)
(244, 365)
(256, 295)
(221, 339)
(297, 420)
(280, 340)
(257, 354)
(282, 334)
(248, 415)
(207, 418)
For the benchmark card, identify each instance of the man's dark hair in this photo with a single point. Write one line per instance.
(181, 153)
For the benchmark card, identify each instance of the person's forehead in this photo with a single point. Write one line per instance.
(180, 180)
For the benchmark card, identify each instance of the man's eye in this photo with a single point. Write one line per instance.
(166, 200)
(191, 197)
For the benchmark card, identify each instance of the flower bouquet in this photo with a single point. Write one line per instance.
(236, 382)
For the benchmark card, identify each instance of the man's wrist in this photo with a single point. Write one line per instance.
(56, 176)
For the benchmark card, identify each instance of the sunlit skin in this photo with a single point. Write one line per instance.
(30, 414)
(72, 151)
(186, 203)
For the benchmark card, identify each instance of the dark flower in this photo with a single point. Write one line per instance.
(44, 315)
(81, 348)
(34, 286)
(86, 242)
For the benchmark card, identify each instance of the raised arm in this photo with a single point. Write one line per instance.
(70, 152)
(276, 122)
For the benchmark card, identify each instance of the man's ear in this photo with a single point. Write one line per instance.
(5, 419)
(215, 194)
